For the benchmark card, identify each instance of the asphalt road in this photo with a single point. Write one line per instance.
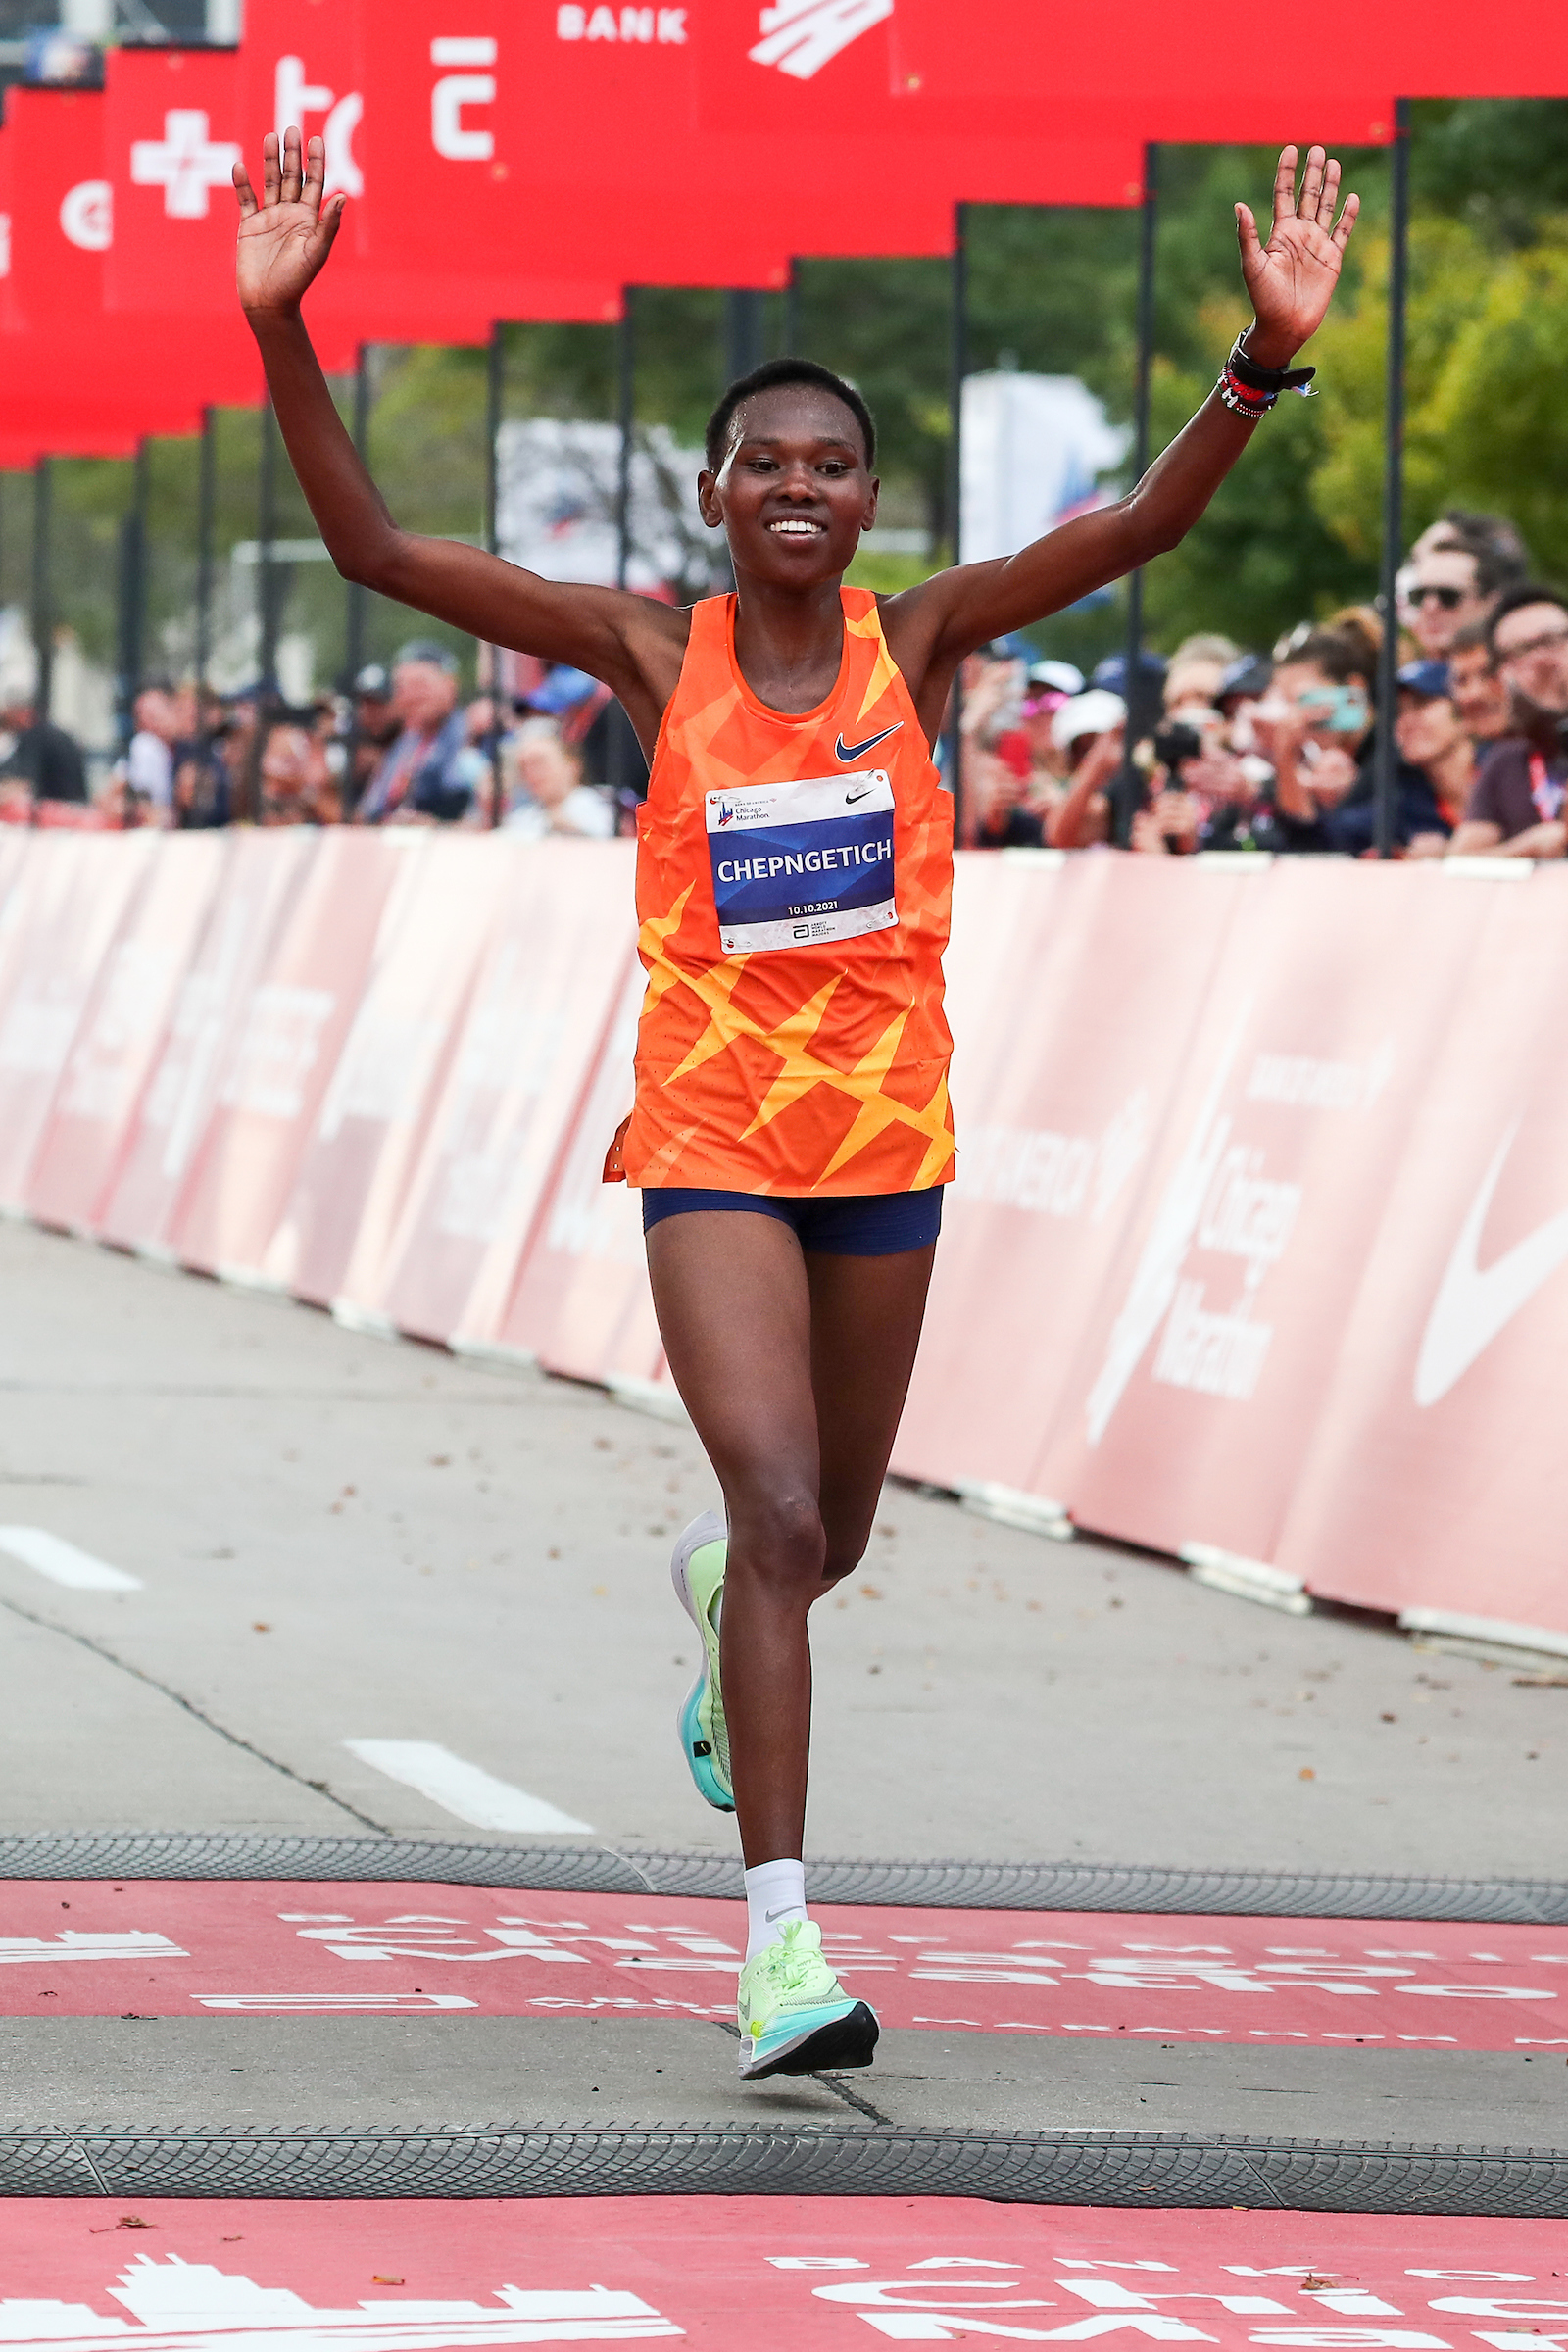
(337, 1539)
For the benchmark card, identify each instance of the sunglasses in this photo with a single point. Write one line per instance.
(1450, 599)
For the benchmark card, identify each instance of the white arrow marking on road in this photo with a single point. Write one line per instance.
(63, 1563)
(464, 1789)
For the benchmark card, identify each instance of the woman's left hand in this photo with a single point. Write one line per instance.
(1291, 278)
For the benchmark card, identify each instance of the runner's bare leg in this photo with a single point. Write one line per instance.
(794, 1369)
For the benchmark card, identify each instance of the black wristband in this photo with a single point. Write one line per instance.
(1266, 379)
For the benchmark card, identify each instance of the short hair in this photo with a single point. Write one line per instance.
(1514, 599)
(1206, 646)
(1500, 553)
(766, 378)
(1336, 654)
(1474, 634)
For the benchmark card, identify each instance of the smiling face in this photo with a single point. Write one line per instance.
(1532, 649)
(1442, 597)
(794, 493)
(1427, 728)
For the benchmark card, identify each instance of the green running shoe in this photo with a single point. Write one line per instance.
(697, 1572)
(795, 2015)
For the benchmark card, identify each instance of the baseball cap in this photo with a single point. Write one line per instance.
(1246, 680)
(1093, 713)
(426, 649)
(1113, 671)
(371, 683)
(561, 690)
(1428, 679)
(1055, 677)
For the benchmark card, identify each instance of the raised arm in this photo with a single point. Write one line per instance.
(285, 237)
(1290, 280)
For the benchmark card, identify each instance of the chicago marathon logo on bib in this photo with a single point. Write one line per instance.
(795, 865)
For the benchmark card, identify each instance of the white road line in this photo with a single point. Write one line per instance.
(465, 1789)
(63, 1563)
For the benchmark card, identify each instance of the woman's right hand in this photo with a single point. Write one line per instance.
(286, 234)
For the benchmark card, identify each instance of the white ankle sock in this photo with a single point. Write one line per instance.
(775, 1894)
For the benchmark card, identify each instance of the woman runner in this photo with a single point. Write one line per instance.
(791, 1132)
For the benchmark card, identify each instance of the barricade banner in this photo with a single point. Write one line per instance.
(281, 1052)
(333, 1242)
(550, 974)
(262, 877)
(1205, 1363)
(79, 887)
(1073, 996)
(126, 1018)
(16, 847)
(582, 1304)
(1434, 1477)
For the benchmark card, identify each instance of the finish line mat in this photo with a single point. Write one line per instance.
(904, 2164)
(146, 1948)
(795, 2273)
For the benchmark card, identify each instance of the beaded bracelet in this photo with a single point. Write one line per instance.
(1249, 390)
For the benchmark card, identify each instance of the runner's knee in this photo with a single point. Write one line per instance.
(778, 1539)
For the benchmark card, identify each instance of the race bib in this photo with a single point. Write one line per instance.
(795, 864)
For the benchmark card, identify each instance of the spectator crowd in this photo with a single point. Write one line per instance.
(1234, 750)
(401, 748)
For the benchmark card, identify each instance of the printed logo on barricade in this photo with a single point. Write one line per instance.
(202, 2309)
(1220, 1198)
(1475, 1302)
(278, 1048)
(801, 37)
(1050, 1174)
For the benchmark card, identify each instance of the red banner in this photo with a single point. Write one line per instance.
(176, 122)
(542, 124)
(70, 365)
(76, 382)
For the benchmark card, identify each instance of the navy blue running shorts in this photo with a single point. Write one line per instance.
(865, 1225)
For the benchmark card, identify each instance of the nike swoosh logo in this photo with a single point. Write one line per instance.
(864, 793)
(1475, 1302)
(787, 1912)
(849, 751)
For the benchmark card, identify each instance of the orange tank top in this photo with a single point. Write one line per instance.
(794, 881)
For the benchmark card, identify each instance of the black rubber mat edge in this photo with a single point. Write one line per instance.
(928, 1885)
(1127, 2169)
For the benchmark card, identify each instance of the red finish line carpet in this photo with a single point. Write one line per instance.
(106, 1948)
(804, 2275)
